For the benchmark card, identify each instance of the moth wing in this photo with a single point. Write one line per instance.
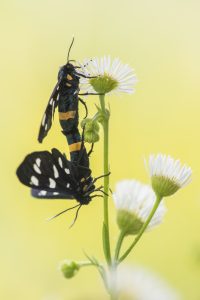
(45, 194)
(43, 171)
(49, 114)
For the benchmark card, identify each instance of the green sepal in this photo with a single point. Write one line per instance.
(106, 243)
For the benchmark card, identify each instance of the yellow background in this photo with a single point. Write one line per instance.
(160, 40)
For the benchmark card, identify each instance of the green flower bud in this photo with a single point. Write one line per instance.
(91, 130)
(69, 268)
(91, 137)
(90, 125)
(103, 84)
(128, 222)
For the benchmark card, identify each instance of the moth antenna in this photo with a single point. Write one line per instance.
(62, 212)
(70, 49)
(76, 216)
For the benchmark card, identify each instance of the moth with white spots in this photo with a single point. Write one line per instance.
(51, 176)
(65, 96)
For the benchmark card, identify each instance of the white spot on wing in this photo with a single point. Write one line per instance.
(52, 183)
(55, 193)
(38, 161)
(56, 174)
(42, 193)
(37, 169)
(51, 101)
(60, 162)
(58, 96)
(67, 171)
(45, 127)
(43, 119)
(34, 181)
(68, 185)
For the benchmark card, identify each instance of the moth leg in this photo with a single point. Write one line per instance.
(84, 76)
(91, 150)
(86, 94)
(86, 109)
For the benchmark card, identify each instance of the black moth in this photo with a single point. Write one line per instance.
(66, 92)
(51, 176)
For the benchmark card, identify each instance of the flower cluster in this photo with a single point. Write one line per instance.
(140, 207)
(135, 201)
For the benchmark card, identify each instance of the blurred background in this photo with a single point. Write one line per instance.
(160, 40)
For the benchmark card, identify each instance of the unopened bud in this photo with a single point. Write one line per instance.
(69, 268)
(91, 129)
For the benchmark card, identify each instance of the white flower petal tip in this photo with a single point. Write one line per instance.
(167, 174)
(138, 283)
(110, 76)
(134, 202)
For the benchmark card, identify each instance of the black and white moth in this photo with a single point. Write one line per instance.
(51, 176)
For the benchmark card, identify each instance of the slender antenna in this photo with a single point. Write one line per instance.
(76, 216)
(62, 212)
(70, 49)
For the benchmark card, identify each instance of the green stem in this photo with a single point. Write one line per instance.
(105, 124)
(142, 229)
(118, 246)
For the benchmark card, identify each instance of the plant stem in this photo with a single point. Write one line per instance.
(105, 124)
(158, 200)
(118, 246)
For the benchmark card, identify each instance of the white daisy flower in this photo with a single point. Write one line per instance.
(134, 202)
(167, 174)
(135, 282)
(111, 76)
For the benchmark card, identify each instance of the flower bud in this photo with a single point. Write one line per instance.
(90, 125)
(69, 268)
(91, 129)
(91, 137)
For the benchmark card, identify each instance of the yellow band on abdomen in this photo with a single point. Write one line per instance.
(75, 147)
(67, 115)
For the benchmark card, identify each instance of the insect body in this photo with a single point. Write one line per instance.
(66, 96)
(68, 115)
(51, 176)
